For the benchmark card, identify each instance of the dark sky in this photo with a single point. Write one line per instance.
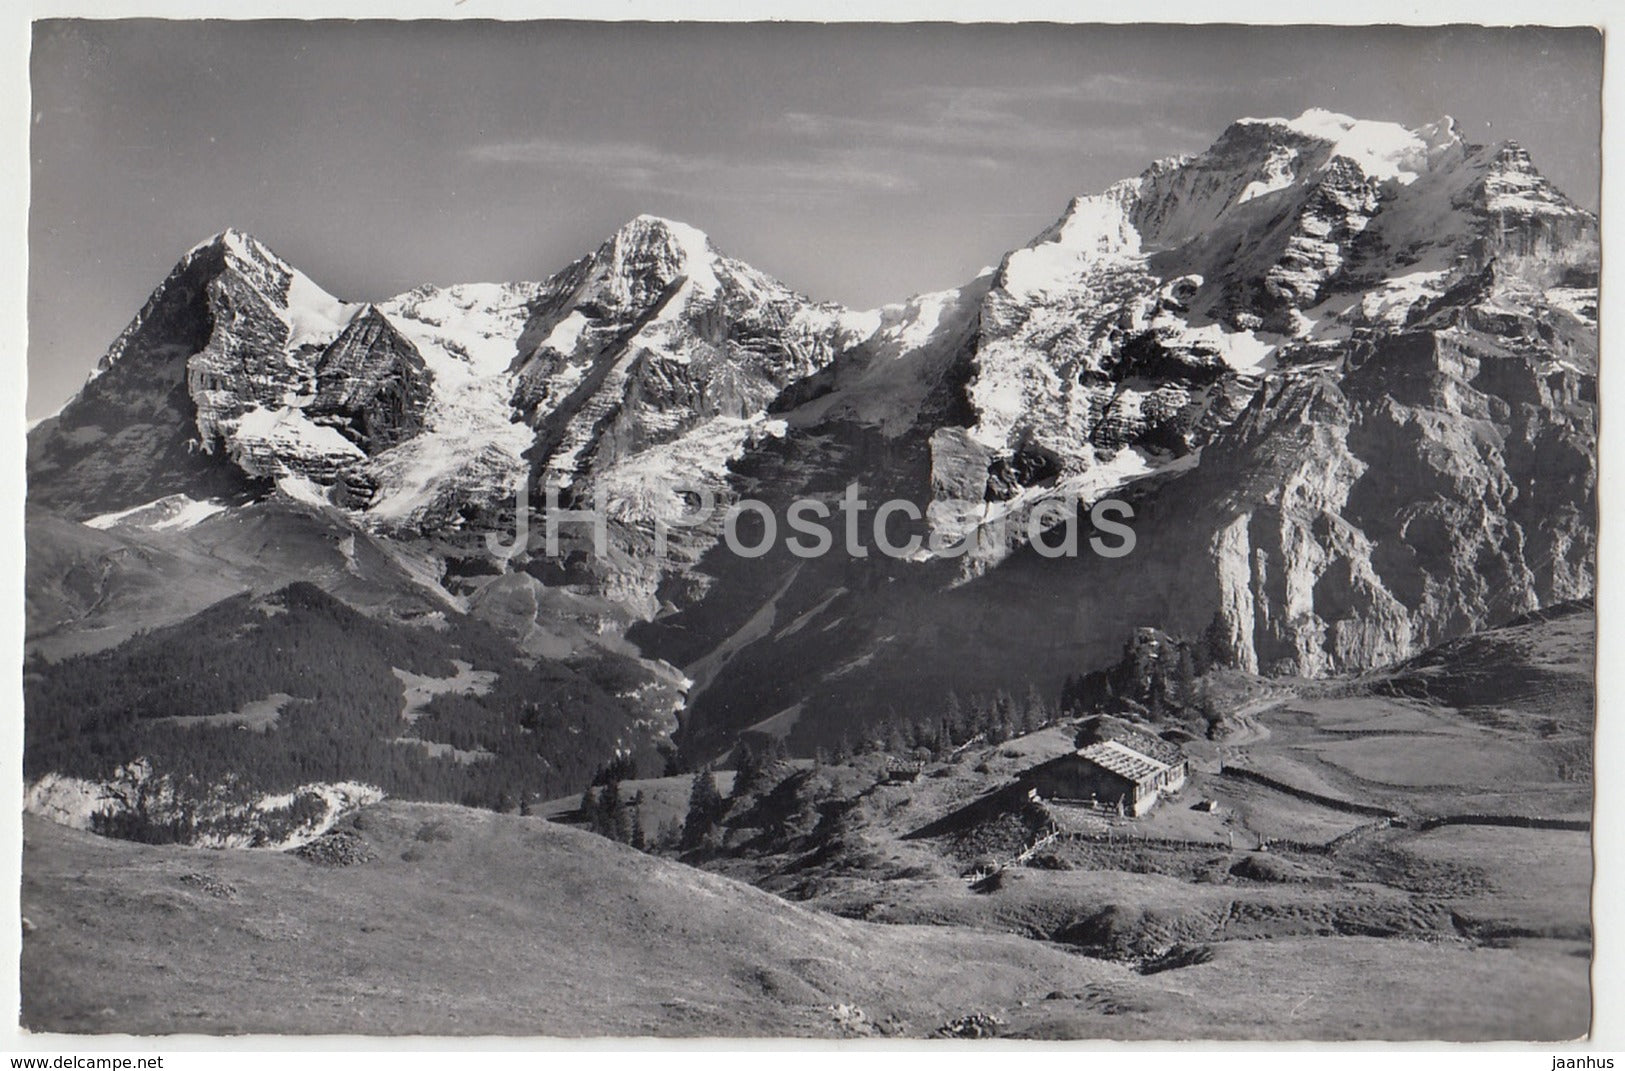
(859, 163)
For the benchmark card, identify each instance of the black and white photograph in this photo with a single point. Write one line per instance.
(868, 531)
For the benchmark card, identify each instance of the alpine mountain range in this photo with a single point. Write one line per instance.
(1344, 372)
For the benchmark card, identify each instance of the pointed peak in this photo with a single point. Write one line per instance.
(681, 238)
(1445, 127)
(1513, 153)
(366, 316)
(237, 243)
(230, 237)
(649, 219)
(663, 249)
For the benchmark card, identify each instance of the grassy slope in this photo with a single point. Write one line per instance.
(89, 590)
(1487, 929)
(489, 924)
(473, 923)
(1499, 721)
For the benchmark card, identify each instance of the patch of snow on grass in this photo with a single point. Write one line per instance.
(170, 513)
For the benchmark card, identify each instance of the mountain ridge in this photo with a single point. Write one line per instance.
(1360, 359)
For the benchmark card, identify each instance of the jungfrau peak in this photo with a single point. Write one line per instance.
(1118, 341)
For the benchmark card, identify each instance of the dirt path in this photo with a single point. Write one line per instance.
(1245, 729)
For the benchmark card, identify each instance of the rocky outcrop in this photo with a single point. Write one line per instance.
(1133, 330)
(271, 325)
(137, 803)
(372, 384)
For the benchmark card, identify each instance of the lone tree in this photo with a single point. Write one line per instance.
(705, 808)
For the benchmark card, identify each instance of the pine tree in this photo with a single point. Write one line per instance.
(1206, 707)
(669, 835)
(1071, 693)
(705, 809)
(671, 762)
(611, 811)
(747, 770)
(1216, 643)
(963, 727)
(624, 823)
(1035, 713)
(1004, 705)
(1001, 731)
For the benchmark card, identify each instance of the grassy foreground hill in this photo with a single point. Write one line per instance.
(1404, 855)
(466, 922)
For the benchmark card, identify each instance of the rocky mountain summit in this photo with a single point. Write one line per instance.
(1344, 372)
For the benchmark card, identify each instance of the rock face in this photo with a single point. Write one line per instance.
(131, 434)
(1126, 335)
(371, 384)
(649, 366)
(1344, 372)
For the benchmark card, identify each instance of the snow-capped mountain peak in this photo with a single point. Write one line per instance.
(1383, 150)
(1115, 342)
(236, 239)
(648, 253)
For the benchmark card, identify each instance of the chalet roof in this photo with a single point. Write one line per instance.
(1101, 728)
(1149, 745)
(1122, 760)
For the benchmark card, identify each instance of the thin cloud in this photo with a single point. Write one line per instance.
(1127, 111)
(645, 167)
(1101, 89)
(980, 133)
